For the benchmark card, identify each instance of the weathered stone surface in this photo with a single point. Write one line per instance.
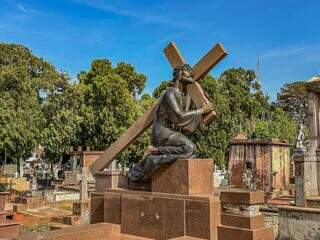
(235, 196)
(185, 176)
(152, 217)
(33, 202)
(250, 222)
(146, 186)
(296, 223)
(71, 220)
(96, 210)
(112, 208)
(265, 157)
(109, 179)
(202, 218)
(9, 229)
(228, 233)
(70, 178)
(3, 199)
(199, 215)
(92, 231)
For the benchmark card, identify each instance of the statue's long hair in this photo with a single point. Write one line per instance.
(178, 71)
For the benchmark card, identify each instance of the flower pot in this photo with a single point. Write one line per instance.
(3, 198)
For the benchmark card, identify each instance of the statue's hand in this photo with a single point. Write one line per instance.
(207, 107)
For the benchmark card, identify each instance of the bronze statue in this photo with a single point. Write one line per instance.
(172, 114)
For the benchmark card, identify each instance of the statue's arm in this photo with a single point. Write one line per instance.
(174, 106)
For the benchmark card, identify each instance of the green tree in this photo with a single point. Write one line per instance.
(25, 81)
(112, 106)
(293, 100)
(64, 111)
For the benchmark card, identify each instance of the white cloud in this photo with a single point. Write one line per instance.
(289, 51)
(145, 16)
(25, 9)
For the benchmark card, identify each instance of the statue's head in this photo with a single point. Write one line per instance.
(183, 74)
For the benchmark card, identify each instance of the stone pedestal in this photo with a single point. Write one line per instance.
(181, 204)
(241, 218)
(109, 179)
(185, 177)
(158, 215)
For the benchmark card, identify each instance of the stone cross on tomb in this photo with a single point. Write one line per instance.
(198, 97)
(82, 177)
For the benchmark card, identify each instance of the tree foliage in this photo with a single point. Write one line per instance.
(25, 80)
(293, 100)
(40, 105)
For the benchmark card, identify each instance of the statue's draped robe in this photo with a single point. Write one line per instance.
(171, 115)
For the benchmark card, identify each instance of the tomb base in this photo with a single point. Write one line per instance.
(241, 218)
(181, 204)
(158, 215)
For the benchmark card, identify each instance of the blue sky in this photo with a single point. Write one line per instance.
(71, 33)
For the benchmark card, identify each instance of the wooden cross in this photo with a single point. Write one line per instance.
(206, 63)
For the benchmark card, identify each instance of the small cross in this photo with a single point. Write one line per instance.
(83, 178)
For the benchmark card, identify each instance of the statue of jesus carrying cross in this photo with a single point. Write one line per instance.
(172, 114)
